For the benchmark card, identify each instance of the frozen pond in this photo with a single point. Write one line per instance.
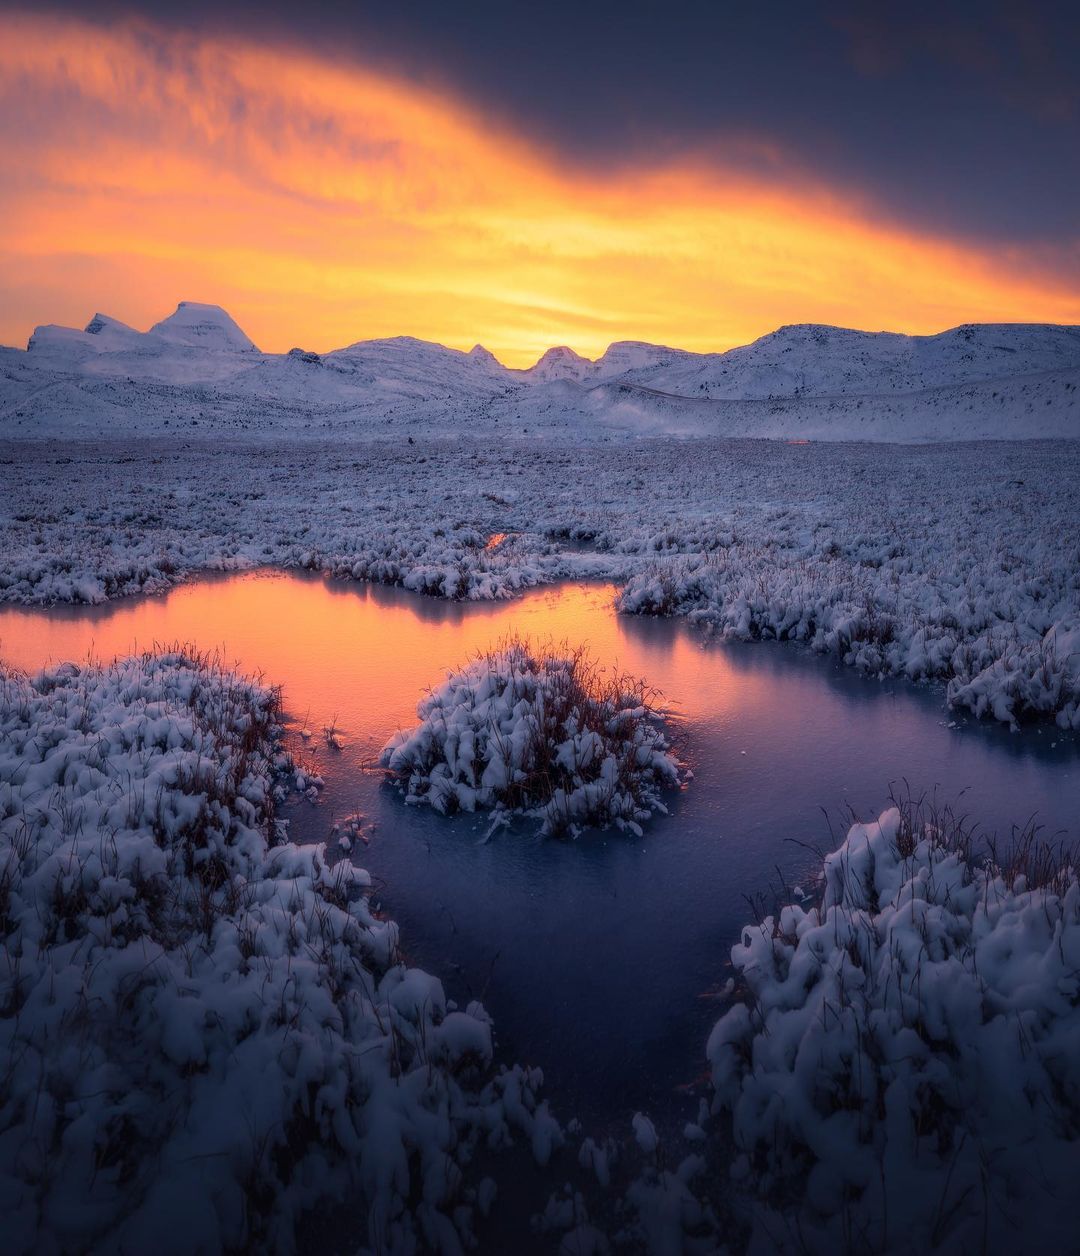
(597, 957)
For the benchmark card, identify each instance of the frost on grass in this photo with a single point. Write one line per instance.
(904, 1070)
(203, 1033)
(540, 730)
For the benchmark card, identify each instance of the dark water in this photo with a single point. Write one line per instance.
(597, 958)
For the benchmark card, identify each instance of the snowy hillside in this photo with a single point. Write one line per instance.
(198, 369)
(812, 361)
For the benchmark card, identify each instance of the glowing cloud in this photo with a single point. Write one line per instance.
(321, 204)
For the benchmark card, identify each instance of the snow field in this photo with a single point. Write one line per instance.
(901, 552)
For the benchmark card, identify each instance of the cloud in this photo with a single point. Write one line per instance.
(322, 201)
(957, 121)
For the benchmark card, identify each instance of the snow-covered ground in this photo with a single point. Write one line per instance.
(900, 1070)
(957, 563)
(197, 370)
(206, 1030)
(167, 950)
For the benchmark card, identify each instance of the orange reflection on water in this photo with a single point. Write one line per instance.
(360, 656)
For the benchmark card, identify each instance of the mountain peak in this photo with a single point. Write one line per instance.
(482, 356)
(561, 362)
(204, 327)
(632, 355)
(104, 324)
(561, 353)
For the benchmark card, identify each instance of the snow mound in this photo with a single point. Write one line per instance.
(204, 1033)
(905, 1058)
(205, 327)
(542, 732)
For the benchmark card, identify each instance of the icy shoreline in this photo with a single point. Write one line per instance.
(957, 563)
(1005, 643)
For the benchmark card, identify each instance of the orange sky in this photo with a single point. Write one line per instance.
(321, 205)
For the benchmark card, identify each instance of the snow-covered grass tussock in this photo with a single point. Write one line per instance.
(903, 1071)
(543, 730)
(203, 1033)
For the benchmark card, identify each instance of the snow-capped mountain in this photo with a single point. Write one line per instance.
(197, 368)
(101, 334)
(404, 366)
(618, 360)
(203, 326)
(197, 344)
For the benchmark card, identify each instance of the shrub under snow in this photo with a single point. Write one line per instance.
(201, 1033)
(546, 732)
(904, 1073)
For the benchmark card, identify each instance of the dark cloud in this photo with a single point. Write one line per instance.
(962, 118)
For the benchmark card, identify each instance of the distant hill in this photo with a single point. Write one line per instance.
(198, 369)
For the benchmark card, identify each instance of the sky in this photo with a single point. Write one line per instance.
(529, 175)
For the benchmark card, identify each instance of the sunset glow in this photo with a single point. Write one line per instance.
(322, 205)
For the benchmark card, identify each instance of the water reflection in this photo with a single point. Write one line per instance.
(592, 956)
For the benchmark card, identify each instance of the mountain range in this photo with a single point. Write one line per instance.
(197, 369)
